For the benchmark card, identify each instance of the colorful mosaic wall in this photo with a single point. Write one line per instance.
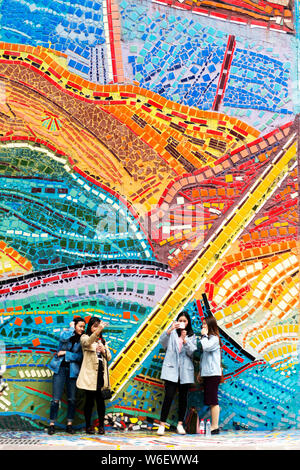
(148, 163)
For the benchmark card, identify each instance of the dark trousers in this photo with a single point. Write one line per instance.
(92, 396)
(170, 391)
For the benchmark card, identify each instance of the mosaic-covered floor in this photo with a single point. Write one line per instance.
(128, 440)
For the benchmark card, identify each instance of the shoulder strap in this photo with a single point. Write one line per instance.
(107, 368)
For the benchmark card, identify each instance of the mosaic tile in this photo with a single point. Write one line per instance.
(141, 440)
(277, 15)
(148, 163)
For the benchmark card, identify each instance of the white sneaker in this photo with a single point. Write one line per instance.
(180, 429)
(161, 430)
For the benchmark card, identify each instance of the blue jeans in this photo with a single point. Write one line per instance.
(59, 381)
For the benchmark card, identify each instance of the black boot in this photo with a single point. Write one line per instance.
(215, 431)
(51, 429)
(90, 430)
(70, 429)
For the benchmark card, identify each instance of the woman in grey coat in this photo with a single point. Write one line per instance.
(179, 343)
(211, 368)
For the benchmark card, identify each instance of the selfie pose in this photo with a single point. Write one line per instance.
(65, 365)
(93, 376)
(210, 368)
(179, 343)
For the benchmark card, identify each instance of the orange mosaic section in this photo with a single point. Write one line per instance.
(254, 290)
(176, 139)
(201, 199)
(199, 136)
(260, 278)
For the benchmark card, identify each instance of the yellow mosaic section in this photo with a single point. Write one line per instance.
(194, 275)
(11, 262)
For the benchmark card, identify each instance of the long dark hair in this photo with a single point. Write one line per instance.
(188, 328)
(212, 327)
(91, 322)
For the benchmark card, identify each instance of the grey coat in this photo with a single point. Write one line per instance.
(210, 363)
(178, 366)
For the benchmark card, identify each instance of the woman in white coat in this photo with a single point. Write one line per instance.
(179, 343)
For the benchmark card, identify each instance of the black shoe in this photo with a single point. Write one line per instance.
(101, 430)
(215, 431)
(90, 430)
(51, 430)
(70, 429)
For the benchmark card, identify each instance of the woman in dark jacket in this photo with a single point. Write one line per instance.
(66, 365)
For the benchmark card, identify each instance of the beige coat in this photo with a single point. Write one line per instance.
(87, 378)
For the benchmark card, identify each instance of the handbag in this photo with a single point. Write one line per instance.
(222, 380)
(106, 392)
(192, 421)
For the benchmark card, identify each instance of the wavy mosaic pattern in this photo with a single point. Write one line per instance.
(63, 221)
(278, 15)
(149, 163)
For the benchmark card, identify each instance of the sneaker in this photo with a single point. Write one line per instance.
(161, 430)
(180, 429)
(101, 430)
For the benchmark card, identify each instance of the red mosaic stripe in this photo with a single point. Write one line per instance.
(111, 41)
